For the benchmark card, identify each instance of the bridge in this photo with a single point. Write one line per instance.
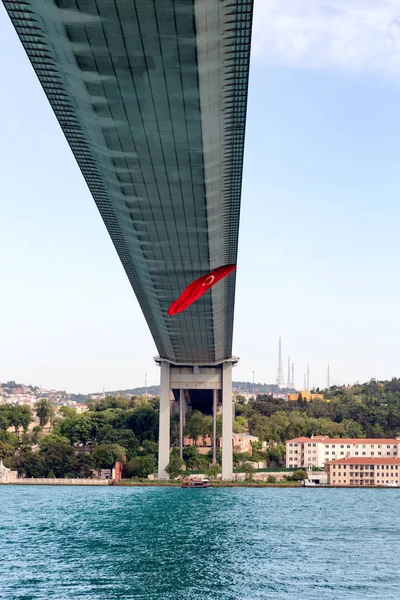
(151, 96)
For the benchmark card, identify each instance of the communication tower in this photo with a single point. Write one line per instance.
(279, 372)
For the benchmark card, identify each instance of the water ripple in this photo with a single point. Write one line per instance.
(213, 544)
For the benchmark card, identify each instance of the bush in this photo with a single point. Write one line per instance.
(271, 479)
(174, 467)
(141, 466)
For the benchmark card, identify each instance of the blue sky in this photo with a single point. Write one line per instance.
(319, 244)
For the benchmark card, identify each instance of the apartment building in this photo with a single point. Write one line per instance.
(317, 450)
(364, 471)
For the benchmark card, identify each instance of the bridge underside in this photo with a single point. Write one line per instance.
(151, 96)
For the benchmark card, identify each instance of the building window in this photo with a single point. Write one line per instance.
(379, 453)
(356, 453)
(372, 453)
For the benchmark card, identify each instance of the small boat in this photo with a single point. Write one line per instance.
(196, 483)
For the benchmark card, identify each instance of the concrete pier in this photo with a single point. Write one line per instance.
(196, 381)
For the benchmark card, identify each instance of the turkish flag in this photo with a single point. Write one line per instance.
(198, 288)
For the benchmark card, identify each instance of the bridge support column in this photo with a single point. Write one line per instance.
(182, 414)
(214, 431)
(227, 421)
(164, 426)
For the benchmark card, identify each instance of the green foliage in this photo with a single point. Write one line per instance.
(44, 411)
(298, 475)
(67, 411)
(174, 467)
(150, 447)
(15, 416)
(248, 469)
(193, 459)
(105, 456)
(141, 466)
(194, 425)
(57, 454)
(271, 479)
(213, 471)
(6, 450)
(240, 424)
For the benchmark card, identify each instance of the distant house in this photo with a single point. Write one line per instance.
(306, 395)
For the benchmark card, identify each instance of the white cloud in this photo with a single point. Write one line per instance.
(347, 34)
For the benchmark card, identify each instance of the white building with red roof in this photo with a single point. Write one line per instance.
(364, 471)
(317, 450)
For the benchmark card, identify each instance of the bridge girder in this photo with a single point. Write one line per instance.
(152, 96)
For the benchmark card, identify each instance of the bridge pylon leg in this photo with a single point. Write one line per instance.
(164, 426)
(214, 431)
(227, 422)
(182, 411)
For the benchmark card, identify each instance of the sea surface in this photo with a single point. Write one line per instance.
(77, 543)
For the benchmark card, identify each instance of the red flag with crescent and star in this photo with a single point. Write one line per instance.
(198, 288)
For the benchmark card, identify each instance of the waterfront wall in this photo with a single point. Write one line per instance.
(54, 481)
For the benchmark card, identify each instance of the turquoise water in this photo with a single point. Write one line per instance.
(211, 544)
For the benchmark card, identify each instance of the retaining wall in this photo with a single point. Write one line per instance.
(47, 481)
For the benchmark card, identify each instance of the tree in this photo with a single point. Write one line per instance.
(144, 423)
(67, 411)
(32, 464)
(299, 475)
(249, 470)
(105, 456)
(6, 450)
(174, 467)
(240, 424)
(194, 425)
(193, 459)
(20, 416)
(207, 428)
(44, 411)
(36, 431)
(57, 454)
(213, 471)
(352, 429)
(141, 466)
(150, 447)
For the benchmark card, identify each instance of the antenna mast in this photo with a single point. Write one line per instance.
(288, 373)
(279, 372)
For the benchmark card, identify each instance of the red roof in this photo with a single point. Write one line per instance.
(328, 440)
(365, 460)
